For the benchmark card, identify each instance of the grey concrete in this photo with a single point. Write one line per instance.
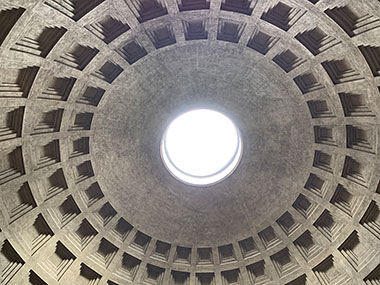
(57, 212)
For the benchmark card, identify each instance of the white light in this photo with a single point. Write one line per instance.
(201, 147)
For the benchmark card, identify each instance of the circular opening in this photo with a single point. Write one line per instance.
(201, 147)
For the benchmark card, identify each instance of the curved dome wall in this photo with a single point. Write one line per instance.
(87, 87)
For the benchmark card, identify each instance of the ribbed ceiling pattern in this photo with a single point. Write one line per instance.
(60, 58)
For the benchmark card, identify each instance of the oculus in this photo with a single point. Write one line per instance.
(201, 147)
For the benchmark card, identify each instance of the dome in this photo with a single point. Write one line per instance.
(88, 92)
